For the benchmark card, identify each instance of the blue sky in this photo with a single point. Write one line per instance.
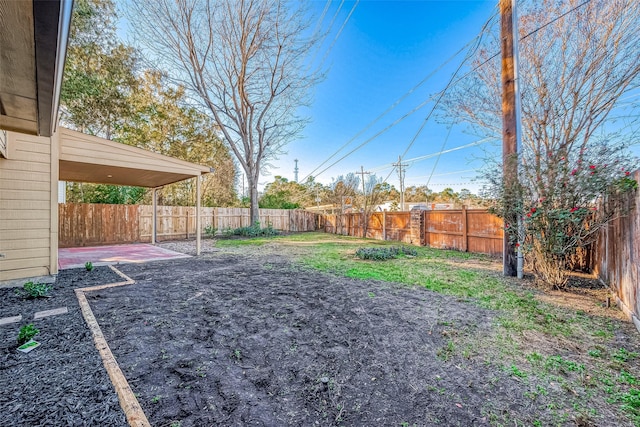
(385, 49)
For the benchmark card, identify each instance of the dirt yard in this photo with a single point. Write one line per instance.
(246, 335)
(240, 340)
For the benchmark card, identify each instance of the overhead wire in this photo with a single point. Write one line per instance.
(335, 39)
(495, 55)
(439, 98)
(439, 95)
(390, 108)
(329, 27)
(475, 68)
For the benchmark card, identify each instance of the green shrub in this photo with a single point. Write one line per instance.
(384, 253)
(88, 265)
(210, 231)
(34, 290)
(26, 333)
(256, 230)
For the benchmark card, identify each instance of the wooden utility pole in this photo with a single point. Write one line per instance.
(401, 165)
(509, 134)
(362, 173)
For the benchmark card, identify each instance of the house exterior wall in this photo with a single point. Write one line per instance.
(28, 207)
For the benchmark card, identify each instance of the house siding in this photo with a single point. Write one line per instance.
(26, 207)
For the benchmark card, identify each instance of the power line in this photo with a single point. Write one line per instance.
(446, 173)
(335, 39)
(439, 156)
(329, 27)
(372, 138)
(495, 55)
(413, 160)
(451, 81)
(394, 105)
(439, 95)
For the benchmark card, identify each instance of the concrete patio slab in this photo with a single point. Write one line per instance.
(113, 254)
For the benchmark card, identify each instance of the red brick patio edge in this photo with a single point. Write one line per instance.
(130, 405)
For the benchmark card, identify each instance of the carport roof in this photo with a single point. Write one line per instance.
(87, 158)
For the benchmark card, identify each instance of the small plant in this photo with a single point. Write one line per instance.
(34, 290)
(517, 372)
(88, 265)
(156, 399)
(594, 353)
(26, 333)
(227, 232)
(385, 253)
(445, 353)
(624, 355)
(210, 231)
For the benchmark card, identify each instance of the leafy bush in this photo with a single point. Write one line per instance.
(26, 333)
(34, 290)
(256, 230)
(88, 265)
(210, 231)
(384, 253)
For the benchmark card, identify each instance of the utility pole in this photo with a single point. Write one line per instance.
(510, 133)
(362, 173)
(295, 171)
(400, 166)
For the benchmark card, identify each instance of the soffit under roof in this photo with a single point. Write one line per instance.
(86, 158)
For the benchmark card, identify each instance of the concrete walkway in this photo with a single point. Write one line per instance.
(114, 254)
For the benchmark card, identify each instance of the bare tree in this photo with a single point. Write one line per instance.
(577, 61)
(572, 73)
(245, 61)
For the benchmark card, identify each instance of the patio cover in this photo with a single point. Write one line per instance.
(87, 158)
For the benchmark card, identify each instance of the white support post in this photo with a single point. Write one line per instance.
(154, 216)
(198, 215)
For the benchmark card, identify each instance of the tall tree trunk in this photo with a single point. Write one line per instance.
(254, 213)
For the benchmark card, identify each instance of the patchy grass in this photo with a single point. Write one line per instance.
(550, 348)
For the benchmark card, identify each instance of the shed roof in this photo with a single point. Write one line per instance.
(87, 158)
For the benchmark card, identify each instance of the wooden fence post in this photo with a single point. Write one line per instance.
(384, 225)
(465, 237)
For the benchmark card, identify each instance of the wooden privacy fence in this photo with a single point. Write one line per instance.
(83, 224)
(98, 224)
(617, 256)
(467, 230)
(382, 225)
(472, 230)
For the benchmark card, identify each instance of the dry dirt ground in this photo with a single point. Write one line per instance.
(232, 340)
(247, 337)
(250, 338)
